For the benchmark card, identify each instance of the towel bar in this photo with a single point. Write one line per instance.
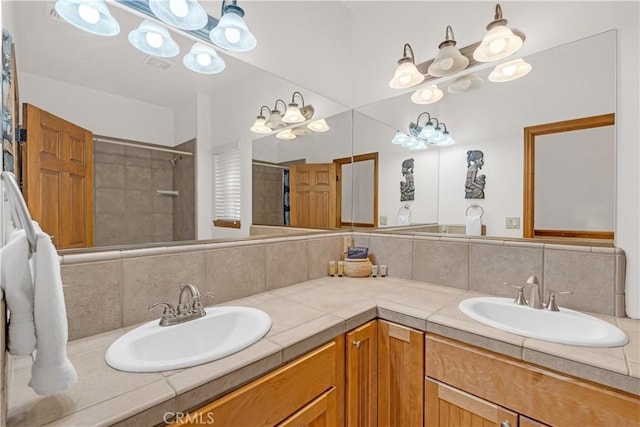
(475, 206)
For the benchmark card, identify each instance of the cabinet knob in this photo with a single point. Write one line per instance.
(505, 424)
(357, 344)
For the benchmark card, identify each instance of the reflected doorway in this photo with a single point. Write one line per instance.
(358, 206)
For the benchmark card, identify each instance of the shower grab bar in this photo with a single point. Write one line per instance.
(20, 208)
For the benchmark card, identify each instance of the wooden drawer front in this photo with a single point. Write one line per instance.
(319, 413)
(275, 396)
(446, 406)
(546, 396)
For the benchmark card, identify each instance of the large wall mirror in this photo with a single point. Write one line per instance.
(71, 75)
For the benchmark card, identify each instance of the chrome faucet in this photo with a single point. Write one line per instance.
(535, 298)
(189, 306)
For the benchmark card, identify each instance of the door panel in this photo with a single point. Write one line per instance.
(58, 177)
(362, 376)
(313, 195)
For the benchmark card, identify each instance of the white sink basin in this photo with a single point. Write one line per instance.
(564, 326)
(223, 331)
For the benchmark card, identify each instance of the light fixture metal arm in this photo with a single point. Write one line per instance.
(234, 6)
(421, 115)
(407, 47)
(275, 106)
(293, 97)
(263, 107)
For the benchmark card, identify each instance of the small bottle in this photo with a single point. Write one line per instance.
(340, 268)
(332, 268)
(374, 270)
(383, 270)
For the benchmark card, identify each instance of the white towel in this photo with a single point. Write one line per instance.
(51, 372)
(15, 278)
(474, 225)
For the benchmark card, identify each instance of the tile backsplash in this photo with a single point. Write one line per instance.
(109, 290)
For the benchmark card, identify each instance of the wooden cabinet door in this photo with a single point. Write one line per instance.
(321, 412)
(58, 177)
(528, 422)
(400, 375)
(447, 407)
(362, 376)
(313, 195)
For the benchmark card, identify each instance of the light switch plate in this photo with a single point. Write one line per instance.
(512, 222)
(383, 220)
(347, 241)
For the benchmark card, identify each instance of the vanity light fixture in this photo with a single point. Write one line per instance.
(406, 74)
(92, 16)
(430, 134)
(499, 41)
(259, 126)
(319, 126)
(183, 14)
(275, 119)
(286, 134)
(232, 32)
(301, 131)
(153, 39)
(509, 71)
(427, 95)
(466, 83)
(449, 60)
(203, 59)
(399, 138)
(293, 114)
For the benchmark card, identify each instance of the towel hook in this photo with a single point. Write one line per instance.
(475, 206)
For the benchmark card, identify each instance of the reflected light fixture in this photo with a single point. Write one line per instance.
(427, 95)
(466, 83)
(286, 134)
(203, 59)
(449, 60)
(399, 138)
(499, 41)
(259, 126)
(91, 16)
(406, 74)
(319, 126)
(153, 39)
(420, 137)
(232, 32)
(293, 114)
(508, 71)
(275, 119)
(300, 131)
(183, 14)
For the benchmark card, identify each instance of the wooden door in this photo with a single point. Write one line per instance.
(400, 375)
(447, 406)
(313, 195)
(362, 376)
(58, 177)
(321, 412)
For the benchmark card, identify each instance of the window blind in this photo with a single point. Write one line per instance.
(227, 185)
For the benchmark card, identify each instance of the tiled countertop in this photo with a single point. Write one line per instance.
(304, 316)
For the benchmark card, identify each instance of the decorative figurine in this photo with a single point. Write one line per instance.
(474, 186)
(407, 187)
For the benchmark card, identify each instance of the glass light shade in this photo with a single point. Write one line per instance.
(154, 40)
(465, 83)
(293, 114)
(183, 14)
(319, 126)
(427, 131)
(203, 59)
(427, 95)
(406, 75)
(508, 71)
(437, 136)
(91, 16)
(232, 32)
(301, 131)
(498, 43)
(286, 134)
(275, 120)
(410, 142)
(414, 129)
(448, 61)
(400, 138)
(420, 145)
(447, 140)
(259, 126)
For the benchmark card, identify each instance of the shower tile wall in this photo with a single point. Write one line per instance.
(184, 214)
(267, 203)
(127, 209)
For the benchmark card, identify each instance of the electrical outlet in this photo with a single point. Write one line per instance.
(347, 241)
(512, 222)
(383, 220)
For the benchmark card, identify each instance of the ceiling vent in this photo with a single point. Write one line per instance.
(157, 63)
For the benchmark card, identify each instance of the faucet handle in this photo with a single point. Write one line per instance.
(197, 301)
(520, 299)
(551, 305)
(168, 308)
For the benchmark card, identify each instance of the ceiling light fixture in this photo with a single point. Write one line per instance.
(153, 39)
(466, 83)
(91, 16)
(259, 126)
(183, 14)
(294, 122)
(499, 41)
(232, 32)
(293, 114)
(203, 59)
(406, 74)
(449, 60)
(508, 71)
(427, 95)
